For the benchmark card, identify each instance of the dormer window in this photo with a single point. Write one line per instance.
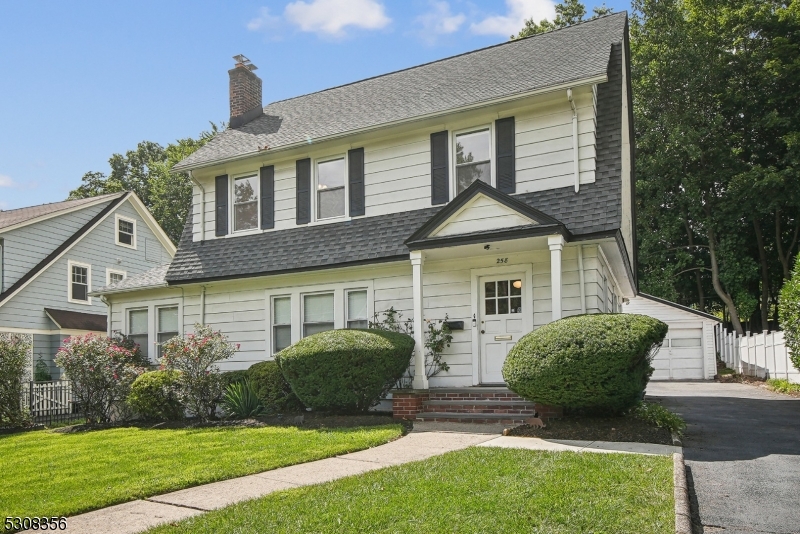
(126, 232)
(331, 188)
(473, 158)
(245, 203)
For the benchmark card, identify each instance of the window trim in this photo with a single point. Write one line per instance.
(110, 271)
(232, 202)
(117, 219)
(152, 307)
(315, 182)
(88, 266)
(346, 312)
(489, 127)
(272, 325)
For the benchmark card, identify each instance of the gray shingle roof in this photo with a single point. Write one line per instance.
(155, 277)
(21, 215)
(512, 68)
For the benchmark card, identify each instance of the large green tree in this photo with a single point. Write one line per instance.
(568, 12)
(147, 171)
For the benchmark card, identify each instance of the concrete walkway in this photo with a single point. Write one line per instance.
(138, 516)
(427, 440)
(742, 453)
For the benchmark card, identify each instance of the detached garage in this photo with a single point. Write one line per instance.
(688, 352)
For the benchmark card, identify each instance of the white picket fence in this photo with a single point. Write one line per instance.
(763, 355)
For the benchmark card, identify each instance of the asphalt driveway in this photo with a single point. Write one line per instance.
(742, 451)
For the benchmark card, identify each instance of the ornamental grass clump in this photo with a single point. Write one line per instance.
(345, 370)
(598, 363)
(101, 373)
(14, 356)
(200, 384)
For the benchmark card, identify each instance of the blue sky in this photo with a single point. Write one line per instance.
(83, 80)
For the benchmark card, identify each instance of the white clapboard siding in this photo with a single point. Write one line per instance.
(481, 214)
(397, 162)
(686, 359)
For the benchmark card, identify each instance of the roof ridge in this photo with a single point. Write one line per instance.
(63, 202)
(509, 42)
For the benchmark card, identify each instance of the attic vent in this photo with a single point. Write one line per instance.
(245, 92)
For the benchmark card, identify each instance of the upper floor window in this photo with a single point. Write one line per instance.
(80, 278)
(473, 158)
(245, 203)
(114, 276)
(331, 188)
(126, 232)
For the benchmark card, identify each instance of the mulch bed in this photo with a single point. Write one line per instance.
(597, 429)
(311, 420)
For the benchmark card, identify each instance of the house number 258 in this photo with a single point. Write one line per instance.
(502, 260)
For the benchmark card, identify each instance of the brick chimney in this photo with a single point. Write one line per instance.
(245, 91)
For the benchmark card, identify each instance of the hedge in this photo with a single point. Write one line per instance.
(789, 313)
(590, 363)
(272, 389)
(345, 370)
(154, 396)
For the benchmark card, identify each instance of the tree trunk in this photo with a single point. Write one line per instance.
(698, 279)
(762, 258)
(723, 295)
(785, 258)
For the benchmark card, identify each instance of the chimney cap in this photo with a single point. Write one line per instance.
(242, 61)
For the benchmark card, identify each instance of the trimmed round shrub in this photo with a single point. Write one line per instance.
(154, 396)
(591, 363)
(345, 370)
(272, 389)
(233, 377)
(789, 313)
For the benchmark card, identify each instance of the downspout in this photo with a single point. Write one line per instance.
(203, 305)
(110, 315)
(581, 279)
(202, 205)
(576, 160)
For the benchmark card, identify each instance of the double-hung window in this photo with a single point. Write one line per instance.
(80, 276)
(331, 188)
(281, 323)
(318, 313)
(126, 232)
(137, 330)
(245, 203)
(473, 158)
(357, 309)
(167, 325)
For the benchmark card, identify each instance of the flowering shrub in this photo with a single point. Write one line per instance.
(101, 373)
(200, 385)
(14, 350)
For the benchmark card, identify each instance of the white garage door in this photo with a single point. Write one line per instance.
(681, 355)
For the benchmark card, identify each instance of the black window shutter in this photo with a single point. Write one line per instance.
(355, 175)
(267, 197)
(303, 167)
(440, 175)
(221, 205)
(504, 145)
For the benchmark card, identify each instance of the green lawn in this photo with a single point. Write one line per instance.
(475, 490)
(51, 474)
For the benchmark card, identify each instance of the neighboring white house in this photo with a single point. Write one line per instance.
(52, 256)
(495, 188)
(689, 351)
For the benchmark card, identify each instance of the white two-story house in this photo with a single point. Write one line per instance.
(494, 188)
(53, 256)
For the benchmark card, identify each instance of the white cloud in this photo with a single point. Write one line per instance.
(439, 21)
(6, 181)
(331, 17)
(263, 21)
(513, 21)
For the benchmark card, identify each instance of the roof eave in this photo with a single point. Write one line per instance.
(590, 80)
(101, 293)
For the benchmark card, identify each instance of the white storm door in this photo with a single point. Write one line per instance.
(502, 309)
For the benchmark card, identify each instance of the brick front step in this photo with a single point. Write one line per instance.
(447, 417)
(474, 393)
(480, 406)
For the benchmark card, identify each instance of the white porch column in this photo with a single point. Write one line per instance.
(556, 243)
(420, 378)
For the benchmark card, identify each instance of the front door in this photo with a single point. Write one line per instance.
(502, 322)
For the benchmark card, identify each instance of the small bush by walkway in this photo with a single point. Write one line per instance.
(56, 474)
(474, 490)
